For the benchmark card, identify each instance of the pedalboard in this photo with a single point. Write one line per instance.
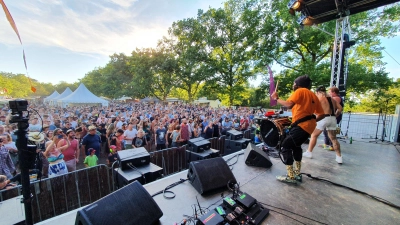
(236, 209)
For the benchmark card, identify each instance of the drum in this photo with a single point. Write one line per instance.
(273, 129)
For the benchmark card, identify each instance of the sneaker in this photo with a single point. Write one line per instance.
(286, 179)
(307, 154)
(339, 159)
(327, 147)
(298, 178)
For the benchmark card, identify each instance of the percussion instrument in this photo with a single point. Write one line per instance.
(273, 129)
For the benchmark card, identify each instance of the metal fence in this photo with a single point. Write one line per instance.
(368, 126)
(58, 195)
(176, 159)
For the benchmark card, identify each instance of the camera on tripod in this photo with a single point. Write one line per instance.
(18, 107)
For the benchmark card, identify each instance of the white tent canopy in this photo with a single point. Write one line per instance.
(67, 92)
(48, 98)
(81, 96)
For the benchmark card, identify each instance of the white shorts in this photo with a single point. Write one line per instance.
(328, 122)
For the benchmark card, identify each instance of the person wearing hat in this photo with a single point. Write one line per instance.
(91, 140)
(305, 105)
(332, 109)
(112, 156)
(91, 160)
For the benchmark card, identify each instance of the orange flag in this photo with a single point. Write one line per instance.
(14, 26)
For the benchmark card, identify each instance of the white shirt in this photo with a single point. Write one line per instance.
(119, 124)
(35, 127)
(74, 124)
(130, 135)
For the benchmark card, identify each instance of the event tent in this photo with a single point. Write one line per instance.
(81, 96)
(150, 100)
(48, 98)
(67, 92)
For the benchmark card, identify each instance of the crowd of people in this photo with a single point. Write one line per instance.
(83, 134)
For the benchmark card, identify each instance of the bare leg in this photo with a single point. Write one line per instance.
(335, 142)
(313, 139)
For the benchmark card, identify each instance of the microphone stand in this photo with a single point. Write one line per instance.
(377, 126)
(383, 134)
(384, 124)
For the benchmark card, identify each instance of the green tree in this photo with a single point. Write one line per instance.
(230, 35)
(187, 43)
(153, 72)
(307, 50)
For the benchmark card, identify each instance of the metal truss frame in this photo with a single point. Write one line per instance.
(340, 55)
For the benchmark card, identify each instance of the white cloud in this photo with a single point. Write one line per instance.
(123, 3)
(99, 29)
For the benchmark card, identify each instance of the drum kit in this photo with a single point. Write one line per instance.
(273, 128)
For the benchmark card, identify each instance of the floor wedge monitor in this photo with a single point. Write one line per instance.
(254, 156)
(131, 204)
(210, 175)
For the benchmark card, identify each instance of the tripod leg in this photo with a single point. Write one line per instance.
(348, 123)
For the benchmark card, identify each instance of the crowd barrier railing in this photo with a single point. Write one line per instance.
(57, 195)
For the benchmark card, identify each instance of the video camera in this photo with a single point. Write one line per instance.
(18, 107)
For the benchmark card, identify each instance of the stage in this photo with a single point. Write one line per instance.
(371, 168)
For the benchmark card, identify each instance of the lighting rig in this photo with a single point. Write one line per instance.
(314, 12)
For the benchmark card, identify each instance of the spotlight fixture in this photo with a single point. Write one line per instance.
(294, 6)
(305, 20)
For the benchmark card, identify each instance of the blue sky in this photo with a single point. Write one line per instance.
(65, 39)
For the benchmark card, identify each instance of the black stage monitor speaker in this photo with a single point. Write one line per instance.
(144, 174)
(254, 156)
(210, 174)
(231, 147)
(131, 204)
(207, 154)
(193, 140)
(200, 146)
(234, 135)
(137, 157)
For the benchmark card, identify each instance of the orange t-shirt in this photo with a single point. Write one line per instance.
(305, 103)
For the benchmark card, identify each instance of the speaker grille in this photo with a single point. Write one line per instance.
(254, 156)
(131, 204)
(210, 174)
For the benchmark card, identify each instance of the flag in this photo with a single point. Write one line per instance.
(14, 27)
(272, 102)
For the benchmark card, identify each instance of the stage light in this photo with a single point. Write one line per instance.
(305, 20)
(294, 6)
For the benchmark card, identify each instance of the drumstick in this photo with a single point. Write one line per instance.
(276, 87)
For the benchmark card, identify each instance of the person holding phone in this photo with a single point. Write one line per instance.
(54, 154)
(71, 154)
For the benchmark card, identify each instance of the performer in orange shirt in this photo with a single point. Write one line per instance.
(304, 104)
